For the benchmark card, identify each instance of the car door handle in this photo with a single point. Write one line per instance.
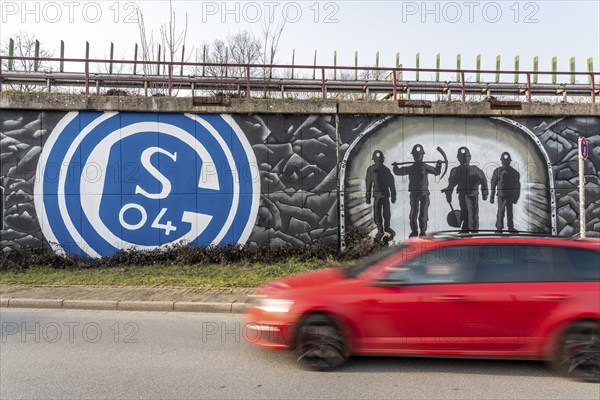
(451, 297)
(557, 297)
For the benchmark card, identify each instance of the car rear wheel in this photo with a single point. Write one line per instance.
(320, 344)
(578, 352)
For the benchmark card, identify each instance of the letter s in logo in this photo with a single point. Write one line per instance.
(166, 184)
(129, 180)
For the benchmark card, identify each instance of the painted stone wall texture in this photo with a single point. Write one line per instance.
(560, 139)
(93, 183)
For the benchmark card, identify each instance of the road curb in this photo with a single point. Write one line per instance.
(145, 305)
(238, 308)
(90, 304)
(35, 303)
(124, 305)
(184, 306)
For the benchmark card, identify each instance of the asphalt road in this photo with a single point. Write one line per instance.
(101, 354)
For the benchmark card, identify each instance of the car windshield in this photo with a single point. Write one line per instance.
(366, 263)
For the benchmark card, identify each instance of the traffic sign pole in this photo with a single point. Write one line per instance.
(583, 153)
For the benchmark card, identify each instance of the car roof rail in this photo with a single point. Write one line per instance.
(450, 234)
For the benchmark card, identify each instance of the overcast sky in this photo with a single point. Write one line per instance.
(508, 28)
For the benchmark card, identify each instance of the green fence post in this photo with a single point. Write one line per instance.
(355, 65)
(112, 52)
(516, 69)
(478, 67)
(498, 59)
(135, 55)
(590, 69)
(334, 65)
(182, 59)
(458, 67)
(293, 61)
(62, 56)
(11, 53)
(315, 65)
(535, 69)
(377, 66)
(158, 62)
(227, 61)
(554, 63)
(418, 61)
(36, 63)
(437, 67)
(87, 68)
(398, 73)
(572, 62)
(204, 60)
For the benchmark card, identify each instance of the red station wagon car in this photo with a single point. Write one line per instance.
(521, 297)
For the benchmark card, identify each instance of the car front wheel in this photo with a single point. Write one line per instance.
(578, 352)
(320, 344)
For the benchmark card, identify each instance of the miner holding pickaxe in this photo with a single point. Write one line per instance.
(467, 179)
(418, 186)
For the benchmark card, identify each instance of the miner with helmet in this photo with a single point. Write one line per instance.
(507, 180)
(380, 186)
(467, 179)
(418, 187)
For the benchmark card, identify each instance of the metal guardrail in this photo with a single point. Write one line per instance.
(253, 78)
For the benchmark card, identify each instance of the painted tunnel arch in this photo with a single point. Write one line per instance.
(486, 138)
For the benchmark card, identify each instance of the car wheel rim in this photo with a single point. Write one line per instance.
(580, 353)
(320, 346)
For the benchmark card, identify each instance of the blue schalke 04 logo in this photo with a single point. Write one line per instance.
(114, 181)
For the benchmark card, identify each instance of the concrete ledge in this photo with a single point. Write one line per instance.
(145, 305)
(90, 304)
(35, 303)
(202, 307)
(3, 303)
(73, 102)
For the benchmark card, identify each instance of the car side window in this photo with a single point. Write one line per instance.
(523, 263)
(586, 264)
(450, 264)
(498, 264)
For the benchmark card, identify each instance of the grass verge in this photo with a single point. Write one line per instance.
(239, 274)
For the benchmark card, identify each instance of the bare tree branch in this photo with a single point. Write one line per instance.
(24, 46)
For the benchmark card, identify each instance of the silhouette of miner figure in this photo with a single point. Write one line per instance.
(507, 179)
(418, 186)
(467, 179)
(380, 185)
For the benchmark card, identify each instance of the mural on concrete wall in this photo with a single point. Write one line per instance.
(22, 135)
(559, 137)
(113, 181)
(464, 174)
(93, 183)
(297, 162)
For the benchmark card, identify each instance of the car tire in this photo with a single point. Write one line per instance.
(320, 344)
(577, 353)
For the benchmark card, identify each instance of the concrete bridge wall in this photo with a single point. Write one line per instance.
(92, 175)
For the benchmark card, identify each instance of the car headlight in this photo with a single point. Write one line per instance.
(274, 305)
